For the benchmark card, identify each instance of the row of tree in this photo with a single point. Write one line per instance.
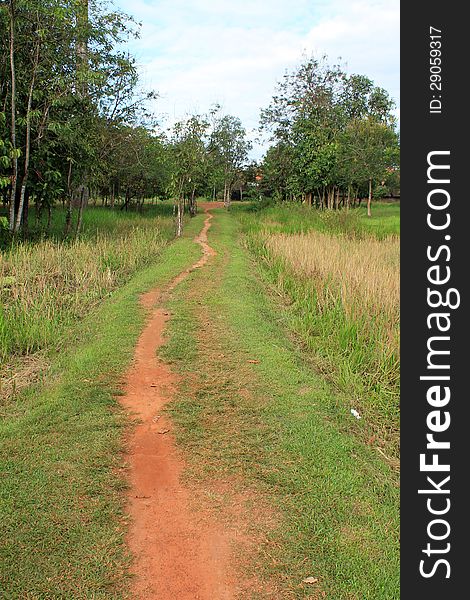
(73, 122)
(65, 90)
(334, 137)
(209, 153)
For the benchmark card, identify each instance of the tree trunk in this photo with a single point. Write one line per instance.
(82, 47)
(68, 214)
(38, 207)
(82, 74)
(369, 199)
(178, 208)
(329, 199)
(227, 195)
(49, 219)
(83, 200)
(14, 174)
(127, 199)
(25, 215)
(27, 142)
(192, 203)
(179, 218)
(68, 217)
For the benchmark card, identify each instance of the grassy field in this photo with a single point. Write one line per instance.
(96, 220)
(254, 412)
(339, 274)
(295, 218)
(61, 452)
(290, 326)
(47, 285)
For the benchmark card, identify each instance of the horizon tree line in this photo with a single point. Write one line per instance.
(74, 124)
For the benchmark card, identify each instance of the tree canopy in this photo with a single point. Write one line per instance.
(332, 133)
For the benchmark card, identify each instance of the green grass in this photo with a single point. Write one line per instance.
(97, 220)
(279, 428)
(61, 460)
(275, 427)
(49, 284)
(295, 218)
(356, 348)
(385, 219)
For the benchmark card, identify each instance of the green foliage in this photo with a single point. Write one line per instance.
(367, 150)
(5, 153)
(296, 218)
(331, 132)
(189, 153)
(228, 141)
(76, 100)
(208, 153)
(278, 177)
(228, 149)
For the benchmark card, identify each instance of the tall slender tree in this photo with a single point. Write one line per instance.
(228, 142)
(14, 150)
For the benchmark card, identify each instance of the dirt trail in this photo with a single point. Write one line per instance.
(178, 555)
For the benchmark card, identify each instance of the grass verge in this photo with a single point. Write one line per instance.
(296, 218)
(47, 286)
(342, 287)
(61, 461)
(252, 408)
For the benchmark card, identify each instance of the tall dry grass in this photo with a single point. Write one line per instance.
(344, 292)
(338, 272)
(362, 273)
(45, 286)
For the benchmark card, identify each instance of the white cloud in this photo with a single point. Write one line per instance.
(366, 37)
(205, 51)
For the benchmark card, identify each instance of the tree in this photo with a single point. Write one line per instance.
(368, 148)
(14, 151)
(277, 180)
(189, 163)
(313, 107)
(230, 147)
(64, 81)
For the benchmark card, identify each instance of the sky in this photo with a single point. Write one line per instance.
(196, 53)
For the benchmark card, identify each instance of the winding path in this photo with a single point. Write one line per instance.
(178, 555)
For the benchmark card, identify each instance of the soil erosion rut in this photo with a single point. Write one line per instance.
(178, 555)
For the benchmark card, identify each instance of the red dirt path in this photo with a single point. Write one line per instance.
(178, 555)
